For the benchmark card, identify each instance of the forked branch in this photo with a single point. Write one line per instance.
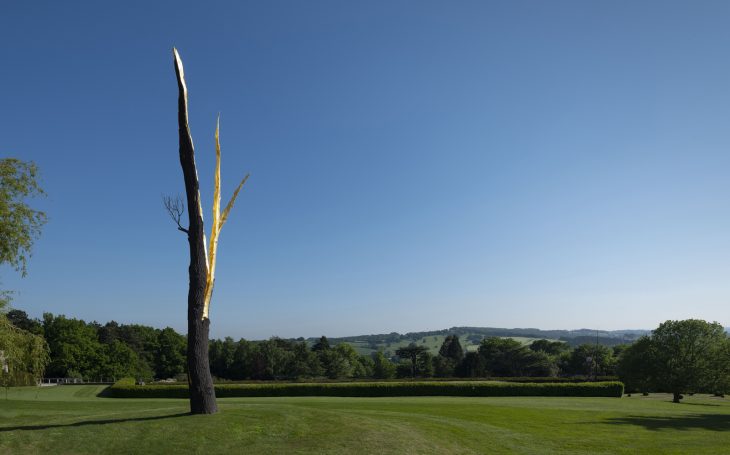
(175, 208)
(218, 220)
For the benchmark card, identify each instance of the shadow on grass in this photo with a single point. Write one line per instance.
(105, 393)
(684, 403)
(714, 422)
(90, 422)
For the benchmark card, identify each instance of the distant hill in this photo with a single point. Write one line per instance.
(470, 338)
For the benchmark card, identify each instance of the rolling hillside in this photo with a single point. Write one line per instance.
(471, 336)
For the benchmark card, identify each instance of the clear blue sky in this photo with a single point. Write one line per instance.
(414, 165)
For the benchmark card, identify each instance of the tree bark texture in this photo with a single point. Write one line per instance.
(202, 393)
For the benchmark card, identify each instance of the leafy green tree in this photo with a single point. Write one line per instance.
(718, 380)
(286, 368)
(20, 225)
(424, 365)
(686, 355)
(23, 355)
(508, 357)
(364, 367)
(403, 369)
(222, 356)
(635, 366)
(451, 349)
(304, 363)
(338, 361)
(121, 361)
(108, 333)
(273, 359)
(473, 366)
(444, 367)
(591, 360)
(618, 350)
(450, 356)
(553, 348)
(243, 360)
(322, 344)
(170, 354)
(412, 352)
(21, 320)
(143, 340)
(257, 362)
(383, 368)
(74, 347)
(280, 358)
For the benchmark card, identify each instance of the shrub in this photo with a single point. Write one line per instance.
(127, 389)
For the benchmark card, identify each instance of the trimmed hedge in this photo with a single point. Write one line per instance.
(126, 388)
(544, 379)
(539, 379)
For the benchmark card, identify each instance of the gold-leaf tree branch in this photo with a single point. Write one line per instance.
(218, 220)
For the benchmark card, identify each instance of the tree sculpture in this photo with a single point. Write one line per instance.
(202, 259)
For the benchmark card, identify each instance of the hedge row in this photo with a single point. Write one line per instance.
(544, 379)
(126, 388)
(537, 379)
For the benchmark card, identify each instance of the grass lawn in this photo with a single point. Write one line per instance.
(72, 419)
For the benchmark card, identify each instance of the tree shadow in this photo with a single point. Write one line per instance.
(713, 422)
(684, 403)
(106, 392)
(90, 422)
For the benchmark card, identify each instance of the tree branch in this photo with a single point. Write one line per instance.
(175, 208)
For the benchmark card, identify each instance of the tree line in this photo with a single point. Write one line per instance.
(91, 351)
(112, 350)
(678, 357)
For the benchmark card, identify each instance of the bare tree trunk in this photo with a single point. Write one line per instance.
(202, 393)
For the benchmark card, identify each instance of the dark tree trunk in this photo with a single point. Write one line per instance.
(202, 393)
(676, 397)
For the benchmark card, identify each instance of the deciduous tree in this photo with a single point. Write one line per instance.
(20, 225)
(412, 352)
(383, 368)
(685, 355)
(635, 366)
(23, 356)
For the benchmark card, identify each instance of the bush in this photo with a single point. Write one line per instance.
(126, 388)
(543, 379)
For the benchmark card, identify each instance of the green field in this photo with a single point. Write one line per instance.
(72, 419)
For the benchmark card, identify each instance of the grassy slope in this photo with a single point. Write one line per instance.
(433, 343)
(71, 419)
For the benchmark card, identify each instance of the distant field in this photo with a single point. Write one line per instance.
(71, 419)
(433, 343)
